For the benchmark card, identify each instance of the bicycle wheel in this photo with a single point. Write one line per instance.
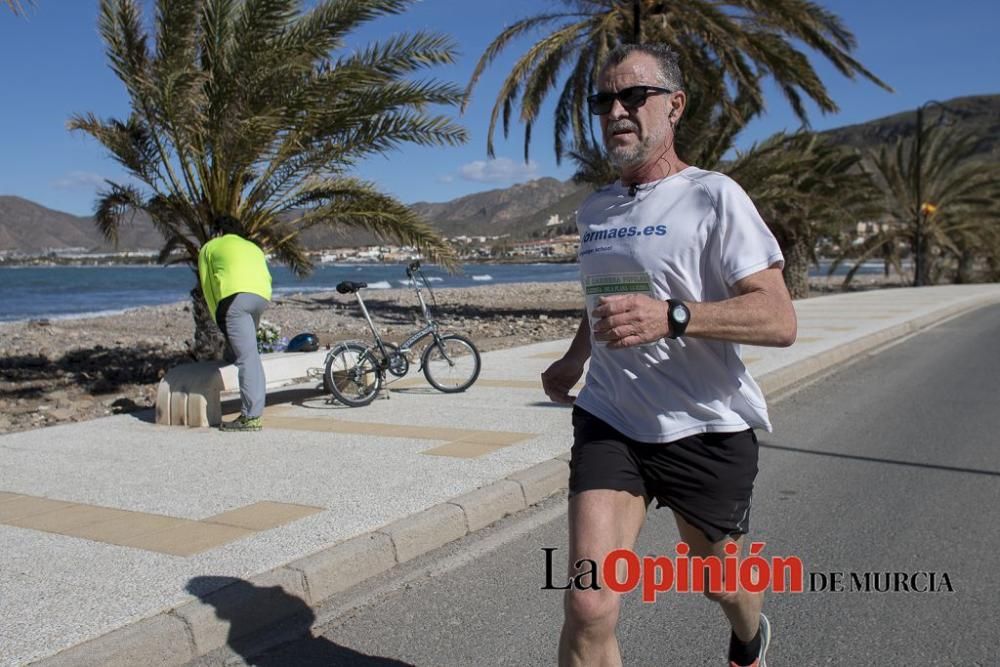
(451, 364)
(352, 374)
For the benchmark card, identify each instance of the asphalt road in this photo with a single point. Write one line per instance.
(891, 464)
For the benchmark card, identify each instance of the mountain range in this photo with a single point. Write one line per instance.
(537, 208)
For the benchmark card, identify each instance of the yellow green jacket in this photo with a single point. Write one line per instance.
(229, 264)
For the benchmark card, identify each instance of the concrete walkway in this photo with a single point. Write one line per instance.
(127, 543)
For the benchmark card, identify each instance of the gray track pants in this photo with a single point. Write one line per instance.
(242, 319)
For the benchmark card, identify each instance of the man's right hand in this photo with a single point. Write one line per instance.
(559, 378)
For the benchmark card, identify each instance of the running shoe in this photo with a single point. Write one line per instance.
(242, 423)
(765, 639)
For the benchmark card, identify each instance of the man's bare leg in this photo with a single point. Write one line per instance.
(600, 521)
(742, 608)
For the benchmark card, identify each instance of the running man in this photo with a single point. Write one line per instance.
(679, 269)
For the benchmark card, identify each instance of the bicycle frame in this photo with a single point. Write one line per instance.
(431, 328)
(371, 325)
(424, 310)
(412, 271)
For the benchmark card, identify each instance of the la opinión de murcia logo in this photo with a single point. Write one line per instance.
(622, 571)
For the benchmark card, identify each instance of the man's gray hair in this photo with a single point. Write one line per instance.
(669, 70)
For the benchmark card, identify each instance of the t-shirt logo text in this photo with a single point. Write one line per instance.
(622, 232)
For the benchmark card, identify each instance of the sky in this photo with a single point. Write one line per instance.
(54, 66)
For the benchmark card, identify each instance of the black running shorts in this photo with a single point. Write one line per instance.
(706, 478)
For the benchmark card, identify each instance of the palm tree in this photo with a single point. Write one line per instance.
(804, 187)
(726, 48)
(242, 108)
(959, 207)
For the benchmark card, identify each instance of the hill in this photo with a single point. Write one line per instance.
(534, 209)
(978, 115)
(32, 229)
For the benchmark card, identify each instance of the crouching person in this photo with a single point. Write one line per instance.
(237, 288)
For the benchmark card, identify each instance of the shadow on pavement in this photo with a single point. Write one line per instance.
(240, 602)
(872, 459)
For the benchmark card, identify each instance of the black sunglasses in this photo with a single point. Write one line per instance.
(631, 98)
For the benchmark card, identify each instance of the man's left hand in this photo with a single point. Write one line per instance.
(628, 320)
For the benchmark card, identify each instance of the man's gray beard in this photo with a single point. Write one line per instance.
(623, 157)
(627, 156)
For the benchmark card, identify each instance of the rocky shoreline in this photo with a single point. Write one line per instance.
(64, 370)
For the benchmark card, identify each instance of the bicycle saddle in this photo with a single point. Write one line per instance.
(349, 287)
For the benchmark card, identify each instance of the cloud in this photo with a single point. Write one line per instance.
(447, 178)
(500, 170)
(79, 179)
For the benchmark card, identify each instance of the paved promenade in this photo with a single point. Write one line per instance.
(121, 539)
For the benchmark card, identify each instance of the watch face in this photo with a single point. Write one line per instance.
(680, 315)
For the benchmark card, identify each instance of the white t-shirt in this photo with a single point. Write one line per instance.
(689, 236)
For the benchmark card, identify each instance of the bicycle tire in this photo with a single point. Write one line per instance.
(352, 374)
(454, 367)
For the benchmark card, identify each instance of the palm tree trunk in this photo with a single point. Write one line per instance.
(966, 265)
(209, 343)
(797, 261)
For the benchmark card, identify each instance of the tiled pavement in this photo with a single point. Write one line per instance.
(115, 532)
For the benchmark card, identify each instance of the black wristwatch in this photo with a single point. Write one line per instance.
(678, 316)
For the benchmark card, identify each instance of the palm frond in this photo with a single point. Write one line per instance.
(116, 206)
(18, 6)
(244, 108)
(355, 203)
(727, 48)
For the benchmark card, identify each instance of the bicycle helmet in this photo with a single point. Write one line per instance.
(304, 342)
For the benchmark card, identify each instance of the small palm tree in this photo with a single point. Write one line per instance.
(726, 49)
(959, 208)
(970, 247)
(804, 187)
(242, 108)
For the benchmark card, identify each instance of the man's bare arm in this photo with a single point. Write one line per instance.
(560, 378)
(760, 314)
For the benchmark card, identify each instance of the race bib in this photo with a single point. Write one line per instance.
(611, 284)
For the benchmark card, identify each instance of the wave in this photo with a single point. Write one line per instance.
(382, 284)
(304, 288)
(483, 277)
(409, 283)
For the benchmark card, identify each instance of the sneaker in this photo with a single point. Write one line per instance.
(242, 423)
(765, 639)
